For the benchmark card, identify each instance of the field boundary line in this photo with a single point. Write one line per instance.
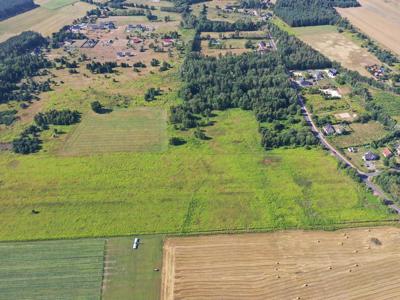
(325, 227)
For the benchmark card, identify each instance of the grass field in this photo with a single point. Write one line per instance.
(389, 102)
(361, 134)
(47, 19)
(142, 129)
(346, 264)
(129, 274)
(71, 269)
(337, 47)
(234, 46)
(224, 183)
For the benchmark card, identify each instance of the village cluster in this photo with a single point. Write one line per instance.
(106, 41)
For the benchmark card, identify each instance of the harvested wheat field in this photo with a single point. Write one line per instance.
(378, 19)
(337, 47)
(346, 264)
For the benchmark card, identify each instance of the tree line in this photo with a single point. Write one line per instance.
(12, 8)
(29, 140)
(298, 13)
(20, 57)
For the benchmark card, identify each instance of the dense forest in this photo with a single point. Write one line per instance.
(311, 12)
(252, 81)
(20, 58)
(10, 8)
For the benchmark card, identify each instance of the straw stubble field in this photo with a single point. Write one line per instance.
(346, 264)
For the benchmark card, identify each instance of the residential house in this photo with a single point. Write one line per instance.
(167, 42)
(368, 156)
(262, 46)
(317, 75)
(387, 153)
(304, 83)
(329, 129)
(332, 73)
(331, 93)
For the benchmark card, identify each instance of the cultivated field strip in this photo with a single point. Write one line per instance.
(346, 264)
(67, 269)
(141, 130)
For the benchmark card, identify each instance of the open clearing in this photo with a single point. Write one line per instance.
(142, 129)
(337, 47)
(228, 182)
(70, 269)
(378, 19)
(346, 264)
(47, 19)
(129, 274)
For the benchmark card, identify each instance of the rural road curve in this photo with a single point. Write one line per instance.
(366, 177)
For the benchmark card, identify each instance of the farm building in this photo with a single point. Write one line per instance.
(387, 153)
(370, 156)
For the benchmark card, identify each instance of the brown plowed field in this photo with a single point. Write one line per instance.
(346, 264)
(379, 19)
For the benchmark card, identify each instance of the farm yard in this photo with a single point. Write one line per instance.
(46, 19)
(346, 264)
(378, 19)
(142, 129)
(337, 47)
(51, 269)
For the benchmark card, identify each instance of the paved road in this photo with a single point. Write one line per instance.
(366, 177)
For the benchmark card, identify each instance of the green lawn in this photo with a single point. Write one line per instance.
(71, 269)
(131, 272)
(225, 183)
(141, 129)
(388, 101)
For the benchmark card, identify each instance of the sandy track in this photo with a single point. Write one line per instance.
(344, 264)
(378, 19)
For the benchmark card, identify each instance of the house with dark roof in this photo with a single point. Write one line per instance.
(332, 73)
(304, 83)
(329, 129)
(368, 156)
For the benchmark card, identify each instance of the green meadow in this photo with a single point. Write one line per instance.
(139, 129)
(227, 182)
(71, 269)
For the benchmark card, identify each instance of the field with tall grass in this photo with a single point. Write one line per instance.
(227, 182)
